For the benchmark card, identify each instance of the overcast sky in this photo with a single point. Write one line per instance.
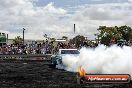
(56, 17)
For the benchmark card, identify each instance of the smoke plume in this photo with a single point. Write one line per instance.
(102, 60)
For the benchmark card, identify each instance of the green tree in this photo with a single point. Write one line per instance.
(65, 37)
(77, 40)
(17, 40)
(126, 32)
(52, 39)
(108, 35)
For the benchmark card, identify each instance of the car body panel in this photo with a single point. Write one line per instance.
(57, 59)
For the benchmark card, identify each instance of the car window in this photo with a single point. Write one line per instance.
(69, 52)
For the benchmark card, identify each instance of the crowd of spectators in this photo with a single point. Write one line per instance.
(34, 48)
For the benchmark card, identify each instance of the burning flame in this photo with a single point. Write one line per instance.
(81, 71)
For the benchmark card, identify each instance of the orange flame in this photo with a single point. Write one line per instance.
(81, 71)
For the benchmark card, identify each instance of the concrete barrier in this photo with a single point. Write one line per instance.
(24, 56)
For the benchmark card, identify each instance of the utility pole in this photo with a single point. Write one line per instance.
(74, 28)
(6, 38)
(23, 35)
(75, 35)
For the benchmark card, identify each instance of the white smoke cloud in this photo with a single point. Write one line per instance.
(103, 60)
(129, 0)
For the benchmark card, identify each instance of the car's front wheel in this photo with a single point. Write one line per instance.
(59, 61)
(54, 63)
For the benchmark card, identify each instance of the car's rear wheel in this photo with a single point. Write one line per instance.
(54, 63)
(59, 61)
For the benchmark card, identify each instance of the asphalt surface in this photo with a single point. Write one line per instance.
(41, 74)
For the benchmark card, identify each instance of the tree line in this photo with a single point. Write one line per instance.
(106, 35)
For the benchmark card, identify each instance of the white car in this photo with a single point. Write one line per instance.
(57, 59)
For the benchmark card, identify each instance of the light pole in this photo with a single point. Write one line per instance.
(75, 35)
(7, 39)
(23, 35)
